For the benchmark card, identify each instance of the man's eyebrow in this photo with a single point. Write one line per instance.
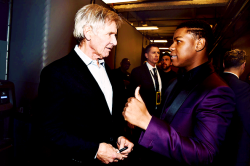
(177, 37)
(112, 32)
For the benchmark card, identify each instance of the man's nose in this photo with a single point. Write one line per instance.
(171, 48)
(114, 41)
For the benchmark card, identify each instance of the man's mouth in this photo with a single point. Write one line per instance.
(173, 56)
(164, 66)
(109, 48)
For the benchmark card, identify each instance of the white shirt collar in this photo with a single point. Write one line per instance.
(231, 73)
(87, 60)
(150, 67)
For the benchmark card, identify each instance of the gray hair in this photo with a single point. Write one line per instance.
(95, 16)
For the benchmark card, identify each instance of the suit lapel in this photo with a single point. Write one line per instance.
(148, 76)
(177, 103)
(167, 94)
(182, 96)
(80, 71)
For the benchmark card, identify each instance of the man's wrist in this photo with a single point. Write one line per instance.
(145, 122)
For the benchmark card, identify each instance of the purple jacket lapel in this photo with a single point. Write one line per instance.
(168, 114)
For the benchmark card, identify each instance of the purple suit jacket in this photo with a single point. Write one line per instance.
(198, 129)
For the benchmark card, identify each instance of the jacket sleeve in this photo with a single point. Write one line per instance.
(212, 117)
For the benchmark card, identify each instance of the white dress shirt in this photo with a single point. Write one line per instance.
(150, 68)
(100, 75)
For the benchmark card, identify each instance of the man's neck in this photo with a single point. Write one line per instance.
(153, 65)
(233, 70)
(86, 49)
(88, 52)
(124, 71)
(167, 70)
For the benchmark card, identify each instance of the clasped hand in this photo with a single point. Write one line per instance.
(107, 153)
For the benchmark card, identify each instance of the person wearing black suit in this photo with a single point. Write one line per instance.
(78, 118)
(248, 78)
(144, 76)
(237, 147)
(166, 72)
(148, 78)
(122, 78)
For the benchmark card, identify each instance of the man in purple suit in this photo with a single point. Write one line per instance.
(198, 105)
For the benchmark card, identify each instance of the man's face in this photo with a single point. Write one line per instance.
(125, 65)
(183, 53)
(165, 62)
(103, 41)
(153, 55)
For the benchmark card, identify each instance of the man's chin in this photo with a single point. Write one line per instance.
(164, 68)
(103, 56)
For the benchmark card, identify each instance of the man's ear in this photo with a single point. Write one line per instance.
(146, 55)
(87, 31)
(243, 66)
(200, 44)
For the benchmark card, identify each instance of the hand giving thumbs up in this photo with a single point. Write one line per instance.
(135, 111)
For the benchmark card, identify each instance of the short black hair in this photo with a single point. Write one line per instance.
(147, 49)
(165, 54)
(124, 59)
(234, 58)
(200, 29)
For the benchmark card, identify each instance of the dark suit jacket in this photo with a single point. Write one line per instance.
(119, 78)
(237, 147)
(74, 116)
(194, 134)
(141, 76)
(166, 77)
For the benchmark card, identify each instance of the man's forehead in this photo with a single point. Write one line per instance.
(154, 48)
(165, 57)
(180, 32)
(183, 32)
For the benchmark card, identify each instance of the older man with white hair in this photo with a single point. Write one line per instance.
(78, 118)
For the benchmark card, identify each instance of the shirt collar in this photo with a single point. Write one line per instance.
(231, 73)
(150, 67)
(192, 73)
(87, 60)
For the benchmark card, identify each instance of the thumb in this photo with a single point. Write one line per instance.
(137, 94)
